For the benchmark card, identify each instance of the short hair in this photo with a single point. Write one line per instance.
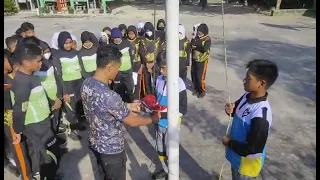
(31, 40)
(27, 52)
(13, 59)
(107, 54)
(162, 58)
(27, 26)
(264, 70)
(12, 39)
(9, 40)
(19, 31)
(6, 54)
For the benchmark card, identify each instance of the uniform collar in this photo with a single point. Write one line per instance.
(256, 100)
(132, 39)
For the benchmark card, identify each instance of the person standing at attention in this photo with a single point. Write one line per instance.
(106, 113)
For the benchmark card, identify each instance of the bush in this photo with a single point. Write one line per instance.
(10, 6)
(71, 10)
(43, 10)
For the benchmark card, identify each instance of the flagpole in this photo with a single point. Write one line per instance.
(172, 50)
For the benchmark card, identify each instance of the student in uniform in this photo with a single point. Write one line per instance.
(123, 29)
(31, 113)
(140, 28)
(88, 54)
(123, 82)
(137, 65)
(200, 57)
(162, 126)
(252, 119)
(19, 151)
(20, 32)
(184, 53)
(11, 162)
(107, 30)
(28, 29)
(52, 84)
(161, 25)
(148, 50)
(103, 38)
(66, 62)
(11, 42)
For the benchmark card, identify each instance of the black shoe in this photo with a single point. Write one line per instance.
(62, 140)
(78, 126)
(13, 169)
(74, 136)
(201, 95)
(159, 175)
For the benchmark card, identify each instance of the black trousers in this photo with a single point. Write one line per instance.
(55, 120)
(183, 69)
(124, 85)
(113, 166)
(198, 75)
(18, 152)
(43, 148)
(204, 4)
(73, 108)
(138, 87)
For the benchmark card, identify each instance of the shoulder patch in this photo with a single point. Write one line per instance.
(24, 106)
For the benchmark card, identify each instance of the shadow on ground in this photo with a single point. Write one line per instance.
(310, 13)
(69, 168)
(297, 63)
(196, 117)
(188, 164)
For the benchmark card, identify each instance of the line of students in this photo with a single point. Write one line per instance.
(44, 91)
(32, 106)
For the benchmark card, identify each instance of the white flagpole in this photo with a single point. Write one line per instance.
(172, 50)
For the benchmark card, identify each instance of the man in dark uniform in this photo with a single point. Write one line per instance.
(200, 57)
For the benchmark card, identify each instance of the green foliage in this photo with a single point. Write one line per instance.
(10, 6)
(70, 10)
(44, 10)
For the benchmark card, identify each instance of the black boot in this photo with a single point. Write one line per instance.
(78, 126)
(159, 175)
(13, 169)
(201, 95)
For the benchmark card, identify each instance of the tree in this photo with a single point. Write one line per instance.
(10, 6)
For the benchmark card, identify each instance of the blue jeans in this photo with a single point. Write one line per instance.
(237, 176)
